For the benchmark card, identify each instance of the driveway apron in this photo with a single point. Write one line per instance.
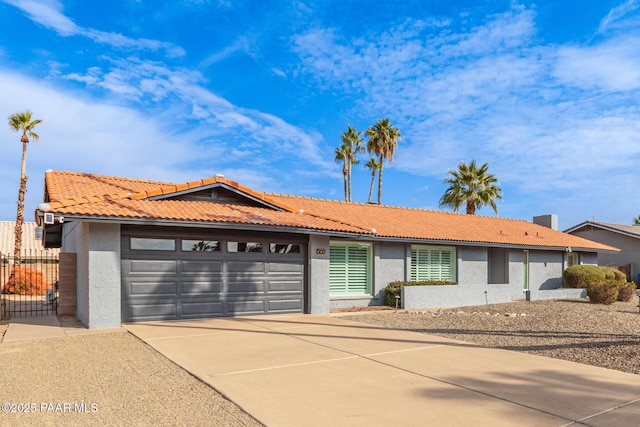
(311, 370)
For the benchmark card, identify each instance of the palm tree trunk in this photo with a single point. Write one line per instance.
(380, 181)
(17, 248)
(471, 207)
(344, 178)
(349, 180)
(373, 178)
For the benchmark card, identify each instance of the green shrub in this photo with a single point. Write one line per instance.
(393, 288)
(603, 291)
(579, 276)
(626, 291)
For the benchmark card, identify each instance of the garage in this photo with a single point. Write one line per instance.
(199, 274)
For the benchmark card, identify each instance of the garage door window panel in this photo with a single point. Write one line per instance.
(152, 244)
(201, 246)
(284, 248)
(246, 247)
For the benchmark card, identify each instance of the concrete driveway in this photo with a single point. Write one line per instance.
(308, 370)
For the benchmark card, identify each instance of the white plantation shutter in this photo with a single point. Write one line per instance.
(349, 269)
(432, 263)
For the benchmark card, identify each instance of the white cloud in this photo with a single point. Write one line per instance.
(615, 15)
(611, 66)
(49, 13)
(548, 119)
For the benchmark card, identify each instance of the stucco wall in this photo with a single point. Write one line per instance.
(589, 258)
(545, 275)
(472, 266)
(98, 271)
(75, 238)
(318, 275)
(104, 275)
(545, 270)
(390, 261)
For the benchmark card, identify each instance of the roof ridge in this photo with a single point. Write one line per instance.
(122, 178)
(170, 188)
(395, 207)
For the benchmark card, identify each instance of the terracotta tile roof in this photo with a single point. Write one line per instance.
(398, 222)
(115, 197)
(70, 193)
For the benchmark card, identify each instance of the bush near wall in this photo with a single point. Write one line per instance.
(26, 281)
(393, 289)
(603, 292)
(626, 291)
(579, 276)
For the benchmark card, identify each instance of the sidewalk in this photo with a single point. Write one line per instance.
(44, 327)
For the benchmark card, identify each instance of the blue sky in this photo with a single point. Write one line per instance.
(546, 92)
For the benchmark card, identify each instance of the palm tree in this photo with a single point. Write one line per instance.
(374, 166)
(383, 141)
(472, 186)
(351, 140)
(342, 156)
(22, 122)
(636, 221)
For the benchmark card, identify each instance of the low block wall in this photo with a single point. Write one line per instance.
(417, 297)
(563, 293)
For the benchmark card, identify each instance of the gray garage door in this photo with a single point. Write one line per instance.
(189, 277)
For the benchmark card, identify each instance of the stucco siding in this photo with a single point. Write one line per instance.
(545, 270)
(104, 277)
(78, 239)
(390, 262)
(472, 266)
(318, 275)
(516, 268)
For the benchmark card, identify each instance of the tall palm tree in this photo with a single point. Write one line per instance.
(471, 186)
(636, 221)
(374, 166)
(383, 141)
(342, 156)
(351, 140)
(22, 122)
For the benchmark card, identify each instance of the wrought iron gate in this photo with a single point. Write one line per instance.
(31, 287)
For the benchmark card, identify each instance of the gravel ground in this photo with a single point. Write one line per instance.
(119, 379)
(575, 330)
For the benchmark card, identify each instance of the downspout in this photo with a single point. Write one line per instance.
(526, 290)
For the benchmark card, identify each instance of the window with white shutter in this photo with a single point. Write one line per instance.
(433, 263)
(349, 269)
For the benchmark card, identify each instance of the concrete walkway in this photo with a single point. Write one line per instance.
(305, 370)
(44, 327)
(33, 328)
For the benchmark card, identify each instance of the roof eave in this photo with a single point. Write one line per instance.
(602, 227)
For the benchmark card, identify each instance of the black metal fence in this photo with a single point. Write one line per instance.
(31, 287)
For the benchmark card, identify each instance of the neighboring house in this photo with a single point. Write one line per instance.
(30, 243)
(33, 251)
(624, 237)
(150, 250)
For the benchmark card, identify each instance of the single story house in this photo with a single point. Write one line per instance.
(624, 237)
(146, 250)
